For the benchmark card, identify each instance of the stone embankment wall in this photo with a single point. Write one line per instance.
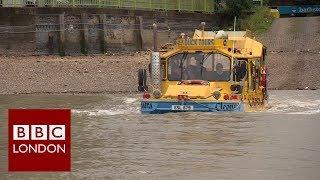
(92, 31)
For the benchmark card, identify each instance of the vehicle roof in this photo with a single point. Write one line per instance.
(212, 34)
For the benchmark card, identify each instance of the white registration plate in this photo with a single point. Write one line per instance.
(182, 107)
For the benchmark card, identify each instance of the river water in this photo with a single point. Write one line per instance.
(112, 140)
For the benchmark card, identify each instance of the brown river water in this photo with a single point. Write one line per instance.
(112, 140)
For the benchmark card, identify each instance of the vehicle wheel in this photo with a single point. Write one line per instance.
(142, 80)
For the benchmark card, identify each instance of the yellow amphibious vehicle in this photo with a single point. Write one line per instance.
(210, 72)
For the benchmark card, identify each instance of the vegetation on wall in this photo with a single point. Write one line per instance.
(249, 17)
(259, 22)
(238, 7)
(61, 48)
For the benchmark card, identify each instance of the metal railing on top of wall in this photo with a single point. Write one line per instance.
(166, 5)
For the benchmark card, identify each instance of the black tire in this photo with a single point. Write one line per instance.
(142, 80)
(141, 89)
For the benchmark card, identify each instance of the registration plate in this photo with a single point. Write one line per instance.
(182, 107)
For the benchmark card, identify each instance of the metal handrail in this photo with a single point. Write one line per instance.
(166, 5)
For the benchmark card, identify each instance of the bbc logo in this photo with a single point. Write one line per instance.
(39, 140)
(39, 132)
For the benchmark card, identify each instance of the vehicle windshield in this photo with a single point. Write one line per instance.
(199, 66)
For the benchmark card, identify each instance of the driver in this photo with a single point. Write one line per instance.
(219, 74)
(193, 70)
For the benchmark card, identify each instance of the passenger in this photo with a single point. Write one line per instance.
(219, 74)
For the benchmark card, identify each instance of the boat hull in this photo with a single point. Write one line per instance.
(160, 107)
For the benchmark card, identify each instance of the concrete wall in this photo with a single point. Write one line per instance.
(17, 34)
(92, 31)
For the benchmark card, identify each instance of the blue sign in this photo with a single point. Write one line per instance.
(160, 107)
(299, 9)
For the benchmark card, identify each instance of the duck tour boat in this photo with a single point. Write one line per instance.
(222, 71)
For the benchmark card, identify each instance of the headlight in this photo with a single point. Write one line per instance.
(157, 93)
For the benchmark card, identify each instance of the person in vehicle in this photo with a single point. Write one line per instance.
(193, 69)
(175, 70)
(219, 74)
(241, 70)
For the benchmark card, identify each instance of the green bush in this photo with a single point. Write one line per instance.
(259, 22)
(238, 7)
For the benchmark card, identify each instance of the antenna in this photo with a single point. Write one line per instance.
(232, 59)
(234, 33)
(155, 37)
(203, 24)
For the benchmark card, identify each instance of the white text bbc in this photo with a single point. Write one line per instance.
(39, 132)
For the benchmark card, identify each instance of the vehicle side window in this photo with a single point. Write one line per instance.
(240, 70)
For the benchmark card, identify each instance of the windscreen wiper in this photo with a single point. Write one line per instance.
(184, 57)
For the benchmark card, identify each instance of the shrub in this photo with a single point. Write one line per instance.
(238, 7)
(259, 22)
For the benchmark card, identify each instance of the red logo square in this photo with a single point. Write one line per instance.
(39, 140)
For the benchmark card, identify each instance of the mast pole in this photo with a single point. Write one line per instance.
(232, 59)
